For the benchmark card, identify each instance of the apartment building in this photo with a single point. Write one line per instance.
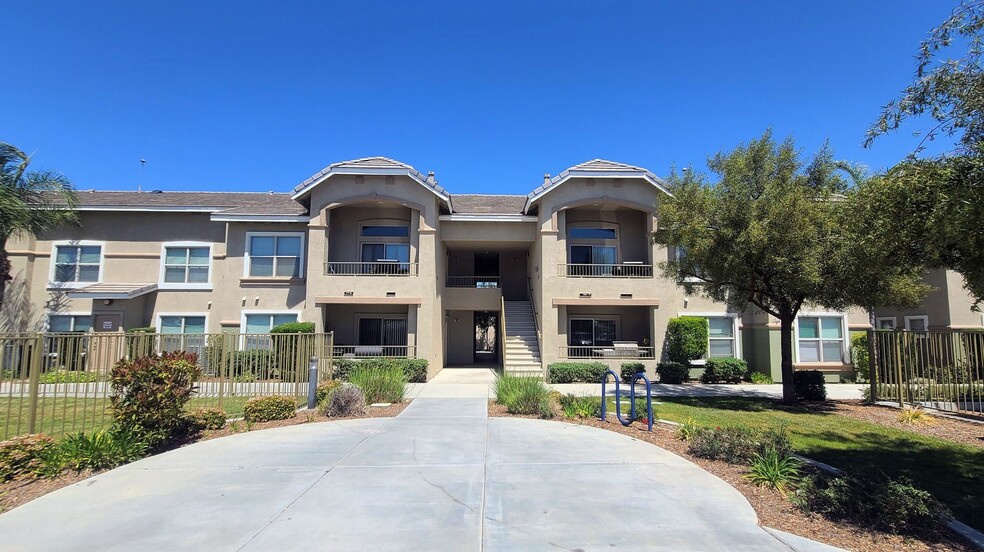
(949, 306)
(394, 264)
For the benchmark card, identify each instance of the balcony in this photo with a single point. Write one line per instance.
(375, 351)
(624, 270)
(619, 350)
(377, 268)
(477, 282)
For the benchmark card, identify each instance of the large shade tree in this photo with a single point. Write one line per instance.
(30, 202)
(777, 233)
(931, 209)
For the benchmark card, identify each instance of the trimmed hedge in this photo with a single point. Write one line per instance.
(686, 338)
(293, 328)
(570, 372)
(809, 385)
(206, 418)
(724, 369)
(265, 409)
(630, 369)
(415, 369)
(672, 372)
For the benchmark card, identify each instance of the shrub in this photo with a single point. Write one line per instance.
(149, 393)
(776, 440)
(574, 406)
(760, 378)
(206, 418)
(686, 339)
(101, 449)
(25, 456)
(324, 389)
(724, 369)
(688, 430)
(265, 409)
(570, 372)
(68, 376)
(873, 501)
(774, 470)
(859, 355)
(415, 369)
(346, 400)
(293, 328)
(734, 445)
(915, 416)
(522, 395)
(253, 365)
(809, 385)
(630, 369)
(380, 385)
(672, 372)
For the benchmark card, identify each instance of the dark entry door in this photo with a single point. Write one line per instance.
(486, 337)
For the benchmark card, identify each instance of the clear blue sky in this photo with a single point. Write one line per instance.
(492, 95)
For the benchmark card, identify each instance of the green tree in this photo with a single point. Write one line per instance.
(931, 210)
(777, 234)
(30, 202)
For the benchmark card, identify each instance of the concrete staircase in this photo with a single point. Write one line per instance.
(521, 353)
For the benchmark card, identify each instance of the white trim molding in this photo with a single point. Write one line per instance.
(53, 284)
(879, 319)
(735, 327)
(185, 285)
(248, 256)
(158, 316)
(845, 336)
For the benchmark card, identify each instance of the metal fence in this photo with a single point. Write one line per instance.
(59, 383)
(624, 270)
(619, 350)
(942, 370)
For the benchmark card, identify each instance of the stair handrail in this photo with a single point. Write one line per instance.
(536, 323)
(502, 322)
(632, 393)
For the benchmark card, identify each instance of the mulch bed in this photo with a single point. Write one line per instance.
(941, 427)
(17, 492)
(773, 510)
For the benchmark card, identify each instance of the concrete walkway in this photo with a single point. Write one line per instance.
(441, 476)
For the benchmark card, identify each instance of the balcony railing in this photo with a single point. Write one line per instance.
(624, 270)
(472, 282)
(618, 351)
(375, 351)
(378, 268)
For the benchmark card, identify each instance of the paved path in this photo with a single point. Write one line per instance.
(441, 476)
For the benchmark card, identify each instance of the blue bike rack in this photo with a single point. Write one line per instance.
(632, 396)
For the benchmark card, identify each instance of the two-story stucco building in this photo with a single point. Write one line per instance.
(395, 264)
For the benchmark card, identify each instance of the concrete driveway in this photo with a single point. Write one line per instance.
(441, 476)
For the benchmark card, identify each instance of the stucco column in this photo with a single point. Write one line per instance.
(317, 256)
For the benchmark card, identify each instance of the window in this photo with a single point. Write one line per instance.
(389, 334)
(590, 332)
(77, 263)
(917, 323)
(721, 336)
(181, 332)
(697, 275)
(65, 323)
(186, 266)
(274, 254)
(385, 249)
(885, 323)
(593, 251)
(259, 324)
(820, 338)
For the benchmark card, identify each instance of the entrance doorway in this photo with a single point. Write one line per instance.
(486, 337)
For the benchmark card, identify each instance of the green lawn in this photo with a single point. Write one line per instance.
(952, 472)
(62, 416)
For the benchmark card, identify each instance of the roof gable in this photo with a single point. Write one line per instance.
(369, 166)
(596, 168)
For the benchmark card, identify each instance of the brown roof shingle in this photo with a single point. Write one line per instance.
(251, 203)
(487, 204)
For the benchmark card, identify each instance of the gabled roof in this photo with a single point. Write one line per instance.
(225, 204)
(369, 165)
(596, 168)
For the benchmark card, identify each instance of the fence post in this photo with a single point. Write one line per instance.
(898, 366)
(37, 351)
(312, 383)
(872, 366)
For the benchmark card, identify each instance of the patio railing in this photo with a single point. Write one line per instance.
(606, 351)
(472, 282)
(378, 268)
(624, 270)
(374, 351)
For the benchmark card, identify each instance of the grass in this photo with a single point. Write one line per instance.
(380, 385)
(64, 416)
(952, 472)
(522, 395)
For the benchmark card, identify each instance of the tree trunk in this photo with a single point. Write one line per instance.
(786, 354)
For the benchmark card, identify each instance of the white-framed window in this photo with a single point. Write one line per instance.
(384, 246)
(722, 334)
(69, 323)
(186, 265)
(259, 323)
(274, 254)
(182, 331)
(820, 338)
(592, 332)
(886, 323)
(76, 263)
(918, 323)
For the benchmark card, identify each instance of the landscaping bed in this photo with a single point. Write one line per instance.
(772, 508)
(21, 491)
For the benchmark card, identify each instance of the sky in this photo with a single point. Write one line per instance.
(257, 96)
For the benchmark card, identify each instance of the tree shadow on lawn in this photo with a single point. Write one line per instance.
(952, 473)
(748, 404)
